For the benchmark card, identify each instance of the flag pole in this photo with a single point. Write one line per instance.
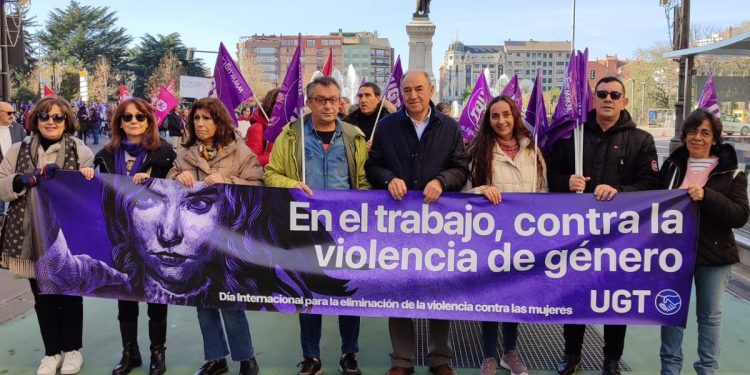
(263, 111)
(377, 117)
(301, 110)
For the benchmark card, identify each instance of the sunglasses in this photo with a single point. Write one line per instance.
(602, 94)
(140, 117)
(44, 116)
(11, 113)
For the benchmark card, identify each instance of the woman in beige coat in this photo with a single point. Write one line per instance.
(214, 153)
(504, 159)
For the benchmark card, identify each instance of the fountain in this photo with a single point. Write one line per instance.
(455, 109)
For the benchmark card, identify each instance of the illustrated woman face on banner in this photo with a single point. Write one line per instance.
(173, 229)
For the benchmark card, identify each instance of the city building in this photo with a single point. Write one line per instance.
(370, 56)
(264, 59)
(609, 66)
(463, 63)
(525, 57)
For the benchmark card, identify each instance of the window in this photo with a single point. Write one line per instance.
(311, 43)
(265, 50)
(288, 42)
(266, 59)
(267, 68)
(325, 42)
(592, 75)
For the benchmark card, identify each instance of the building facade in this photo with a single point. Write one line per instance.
(264, 59)
(463, 63)
(609, 66)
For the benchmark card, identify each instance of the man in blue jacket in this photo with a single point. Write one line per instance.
(418, 148)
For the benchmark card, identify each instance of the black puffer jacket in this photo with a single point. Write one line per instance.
(623, 157)
(398, 153)
(158, 161)
(724, 205)
(366, 122)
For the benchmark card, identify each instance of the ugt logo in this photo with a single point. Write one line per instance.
(668, 302)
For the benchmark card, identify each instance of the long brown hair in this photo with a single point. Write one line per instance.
(219, 113)
(481, 148)
(151, 140)
(44, 105)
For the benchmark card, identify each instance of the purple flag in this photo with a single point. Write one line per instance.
(393, 88)
(586, 101)
(291, 98)
(231, 87)
(566, 111)
(513, 89)
(536, 113)
(708, 99)
(471, 117)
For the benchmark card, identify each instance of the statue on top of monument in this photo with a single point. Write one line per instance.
(423, 8)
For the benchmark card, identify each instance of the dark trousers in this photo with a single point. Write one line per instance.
(614, 340)
(60, 320)
(157, 321)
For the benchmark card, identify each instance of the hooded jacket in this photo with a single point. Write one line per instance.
(724, 205)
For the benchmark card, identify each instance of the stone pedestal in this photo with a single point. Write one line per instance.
(420, 31)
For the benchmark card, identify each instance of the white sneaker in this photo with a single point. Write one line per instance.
(72, 363)
(489, 366)
(49, 365)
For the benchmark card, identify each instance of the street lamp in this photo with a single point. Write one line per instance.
(643, 102)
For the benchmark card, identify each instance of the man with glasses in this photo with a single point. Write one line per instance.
(617, 157)
(418, 148)
(335, 154)
(10, 133)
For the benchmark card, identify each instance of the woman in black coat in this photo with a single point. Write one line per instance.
(136, 150)
(707, 168)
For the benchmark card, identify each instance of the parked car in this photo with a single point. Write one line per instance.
(732, 126)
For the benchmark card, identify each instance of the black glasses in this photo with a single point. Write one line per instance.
(10, 113)
(58, 118)
(320, 100)
(140, 117)
(602, 94)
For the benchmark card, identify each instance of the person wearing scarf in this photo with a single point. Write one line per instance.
(136, 150)
(50, 146)
(214, 153)
(503, 160)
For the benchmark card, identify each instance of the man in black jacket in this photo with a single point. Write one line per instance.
(368, 99)
(418, 148)
(174, 127)
(617, 157)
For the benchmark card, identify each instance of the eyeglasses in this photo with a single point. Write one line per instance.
(319, 100)
(57, 118)
(602, 94)
(10, 113)
(705, 134)
(140, 117)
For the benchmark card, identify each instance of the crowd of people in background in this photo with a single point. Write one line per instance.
(368, 145)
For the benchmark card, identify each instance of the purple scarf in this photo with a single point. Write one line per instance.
(133, 149)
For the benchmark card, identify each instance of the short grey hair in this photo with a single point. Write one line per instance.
(323, 81)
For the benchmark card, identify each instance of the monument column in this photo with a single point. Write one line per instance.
(420, 31)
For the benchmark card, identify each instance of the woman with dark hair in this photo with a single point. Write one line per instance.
(503, 159)
(215, 154)
(136, 150)
(50, 146)
(707, 168)
(258, 124)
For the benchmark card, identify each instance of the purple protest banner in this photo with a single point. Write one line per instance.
(471, 117)
(231, 87)
(708, 98)
(513, 89)
(547, 258)
(291, 98)
(393, 88)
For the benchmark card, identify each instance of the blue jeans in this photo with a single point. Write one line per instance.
(489, 338)
(310, 326)
(238, 332)
(710, 283)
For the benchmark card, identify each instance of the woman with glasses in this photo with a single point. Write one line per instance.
(503, 159)
(136, 150)
(706, 168)
(51, 146)
(214, 153)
